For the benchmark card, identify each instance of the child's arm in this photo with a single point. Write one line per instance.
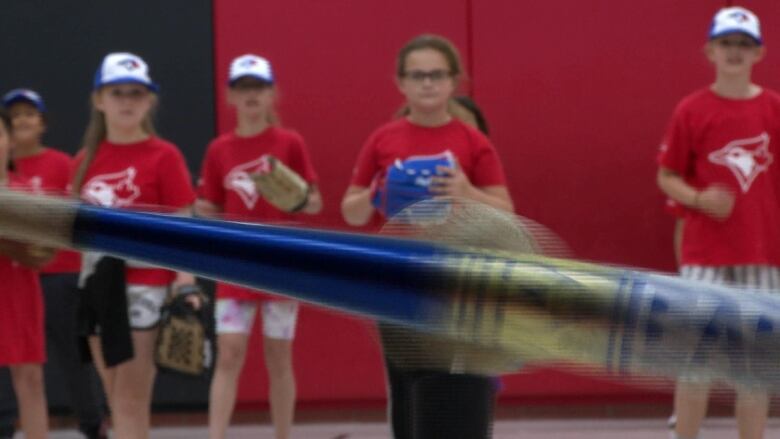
(207, 209)
(29, 255)
(716, 201)
(314, 202)
(356, 207)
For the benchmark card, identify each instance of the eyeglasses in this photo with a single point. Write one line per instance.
(419, 76)
(741, 44)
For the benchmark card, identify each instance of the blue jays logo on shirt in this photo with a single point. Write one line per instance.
(117, 189)
(745, 158)
(130, 64)
(239, 180)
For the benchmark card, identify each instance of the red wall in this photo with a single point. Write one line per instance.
(577, 95)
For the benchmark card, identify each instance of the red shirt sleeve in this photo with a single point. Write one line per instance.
(300, 161)
(367, 166)
(677, 146)
(175, 184)
(487, 169)
(210, 186)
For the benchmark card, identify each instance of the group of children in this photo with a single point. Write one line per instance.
(715, 163)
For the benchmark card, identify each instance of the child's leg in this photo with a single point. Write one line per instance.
(131, 396)
(279, 319)
(278, 361)
(28, 385)
(61, 298)
(106, 374)
(751, 410)
(231, 350)
(690, 407)
(751, 407)
(234, 320)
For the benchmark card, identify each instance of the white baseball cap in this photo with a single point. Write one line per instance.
(736, 20)
(252, 66)
(123, 68)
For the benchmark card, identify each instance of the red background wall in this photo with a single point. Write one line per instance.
(577, 95)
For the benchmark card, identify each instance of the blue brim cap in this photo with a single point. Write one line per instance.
(24, 95)
(259, 78)
(726, 32)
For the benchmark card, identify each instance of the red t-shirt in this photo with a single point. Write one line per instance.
(714, 140)
(49, 173)
(401, 139)
(21, 313)
(149, 174)
(225, 181)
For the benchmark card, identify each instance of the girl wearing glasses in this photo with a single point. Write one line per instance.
(718, 161)
(123, 164)
(461, 162)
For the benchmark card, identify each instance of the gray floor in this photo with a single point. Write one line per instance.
(558, 429)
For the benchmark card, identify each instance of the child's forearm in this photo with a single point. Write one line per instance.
(673, 185)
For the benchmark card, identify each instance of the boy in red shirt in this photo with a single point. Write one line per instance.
(717, 160)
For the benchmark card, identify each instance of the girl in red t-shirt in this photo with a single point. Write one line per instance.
(427, 73)
(48, 171)
(21, 315)
(717, 162)
(227, 190)
(124, 165)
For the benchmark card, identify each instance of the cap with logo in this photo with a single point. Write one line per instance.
(252, 66)
(123, 68)
(24, 95)
(733, 20)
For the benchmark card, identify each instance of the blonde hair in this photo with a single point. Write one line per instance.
(94, 135)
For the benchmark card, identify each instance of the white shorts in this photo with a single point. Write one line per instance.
(756, 277)
(762, 277)
(143, 305)
(237, 316)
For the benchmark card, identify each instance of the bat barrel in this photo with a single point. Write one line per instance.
(526, 306)
(368, 275)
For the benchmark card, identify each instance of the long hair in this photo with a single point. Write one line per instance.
(94, 135)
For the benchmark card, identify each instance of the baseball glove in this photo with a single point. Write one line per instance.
(182, 344)
(407, 182)
(281, 186)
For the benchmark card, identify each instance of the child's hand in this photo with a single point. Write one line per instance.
(716, 201)
(192, 294)
(451, 182)
(34, 256)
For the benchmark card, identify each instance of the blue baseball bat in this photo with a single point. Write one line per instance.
(524, 306)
